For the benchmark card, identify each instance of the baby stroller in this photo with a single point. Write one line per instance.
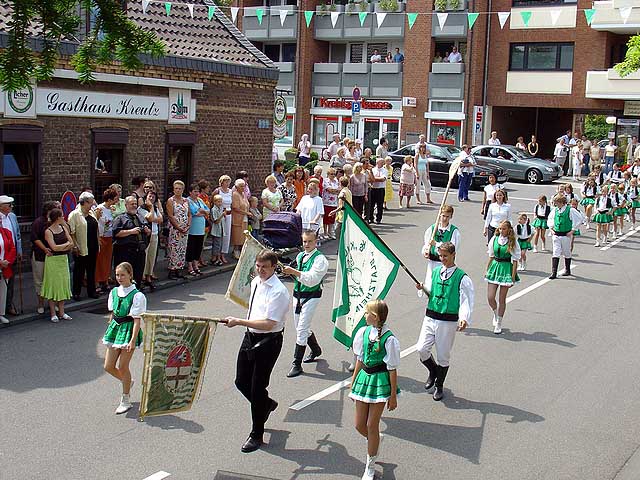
(282, 230)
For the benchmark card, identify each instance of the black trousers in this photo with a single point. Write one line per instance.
(376, 201)
(358, 203)
(130, 253)
(84, 265)
(253, 372)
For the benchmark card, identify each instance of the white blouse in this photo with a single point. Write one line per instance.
(392, 346)
(515, 255)
(497, 213)
(139, 305)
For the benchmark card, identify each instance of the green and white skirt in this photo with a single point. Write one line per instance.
(635, 204)
(540, 223)
(499, 273)
(119, 336)
(371, 388)
(620, 211)
(588, 201)
(56, 284)
(602, 218)
(525, 244)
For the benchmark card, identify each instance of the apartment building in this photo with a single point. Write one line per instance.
(540, 78)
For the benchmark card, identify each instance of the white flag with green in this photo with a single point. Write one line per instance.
(365, 271)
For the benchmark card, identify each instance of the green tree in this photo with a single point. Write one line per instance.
(631, 61)
(596, 127)
(113, 38)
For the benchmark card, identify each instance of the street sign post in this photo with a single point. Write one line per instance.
(356, 94)
(355, 111)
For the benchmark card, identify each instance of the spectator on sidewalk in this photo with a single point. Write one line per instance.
(105, 222)
(311, 208)
(494, 140)
(155, 218)
(278, 168)
(118, 208)
(40, 250)
(139, 182)
(378, 187)
(304, 150)
(7, 259)
(239, 217)
(465, 173)
(179, 222)
(10, 222)
(130, 239)
(83, 227)
(195, 241)
(56, 285)
(289, 194)
(271, 197)
(560, 153)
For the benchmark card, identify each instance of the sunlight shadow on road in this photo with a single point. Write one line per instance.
(541, 337)
(167, 422)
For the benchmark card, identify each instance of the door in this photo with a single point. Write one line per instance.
(438, 164)
(371, 133)
(509, 162)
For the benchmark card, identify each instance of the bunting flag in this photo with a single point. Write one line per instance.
(259, 14)
(334, 18)
(503, 16)
(555, 16)
(211, 12)
(362, 16)
(145, 4)
(308, 14)
(167, 7)
(411, 18)
(380, 16)
(526, 16)
(625, 13)
(234, 14)
(190, 7)
(589, 13)
(471, 18)
(442, 19)
(283, 17)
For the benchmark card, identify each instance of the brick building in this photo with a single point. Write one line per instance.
(520, 80)
(203, 110)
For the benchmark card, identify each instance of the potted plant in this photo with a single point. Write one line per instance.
(389, 5)
(290, 154)
(364, 6)
(441, 5)
(351, 7)
(454, 4)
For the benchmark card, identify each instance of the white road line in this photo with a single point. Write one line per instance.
(618, 240)
(531, 288)
(158, 476)
(522, 198)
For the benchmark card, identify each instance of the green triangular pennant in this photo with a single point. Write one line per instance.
(308, 14)
(526, 16)
(471, 18)
(259, 14)
(167, 7)
(589, 13)
(362, 16)
(211, 12)
(411, 18)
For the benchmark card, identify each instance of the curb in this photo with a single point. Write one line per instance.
(89, 303)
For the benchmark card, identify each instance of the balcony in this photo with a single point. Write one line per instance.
(348, 26)
(379, 80)
(541, 17)
(445, 67)
(456, 26)
(608, 16)
(270, 28)
(287, 78)
(550, 83)
(446, 86)
(609, 85)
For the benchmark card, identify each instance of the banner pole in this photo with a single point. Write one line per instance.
(453, 170)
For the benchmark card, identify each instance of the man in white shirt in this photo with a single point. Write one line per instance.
(454, 56)
(631, 148)
(376, 58)
(494, 140)
(560, 153)
(376, 200)
(262, 343)
(311, 208)
(562, 221)
(333, 147)
(465, 173)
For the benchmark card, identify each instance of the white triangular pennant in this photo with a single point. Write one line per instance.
(380, 16)
(503, 16)
(145, 4)
(190, 7)
(625, 13)
(283, 17)
(555, 16)
(442, 19)
(334, 18)
(234, 14)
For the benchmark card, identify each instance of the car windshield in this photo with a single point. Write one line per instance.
(454, 150)
(520, 153)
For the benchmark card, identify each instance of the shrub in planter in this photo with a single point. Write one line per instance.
(314, 156)
(454, 4)
(441, 5)
(389, 5)
(290, 154)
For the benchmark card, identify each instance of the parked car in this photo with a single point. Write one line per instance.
(439, 163)
(517, 163)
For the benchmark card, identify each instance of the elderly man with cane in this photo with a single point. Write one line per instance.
(10, 222)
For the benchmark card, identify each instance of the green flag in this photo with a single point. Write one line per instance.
(212, 10)
(471, 18)
(362, 16)
(589, 13)
(167, 7)
(259, 14)
(411, 18)
(526, 16)
(365, 271)
(307, 16)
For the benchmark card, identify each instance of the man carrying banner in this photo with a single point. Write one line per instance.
(268, 307)
(312, 266)
(449, 309)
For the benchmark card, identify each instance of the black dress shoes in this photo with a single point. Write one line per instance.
(251, 445)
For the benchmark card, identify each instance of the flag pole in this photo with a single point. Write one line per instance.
(453, 171)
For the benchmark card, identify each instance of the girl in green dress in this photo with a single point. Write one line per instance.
(524, 233)
(374, 381)
(124, 334)
(504, 254)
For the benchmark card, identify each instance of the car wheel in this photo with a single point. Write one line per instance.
(533, 176)
(395, 176)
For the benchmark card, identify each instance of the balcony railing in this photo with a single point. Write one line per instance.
(456, 26)
(270, 28)
(378, 80)
(287, 78)
(608, 16)
(348, 25)
(608, 84)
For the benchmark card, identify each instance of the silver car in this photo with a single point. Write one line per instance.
(517, 163)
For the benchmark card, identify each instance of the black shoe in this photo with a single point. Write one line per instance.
(438, 394)
(432, 366)
(441, 374)
(554, 268)
(378, 222)
(76, 298)
(315, 352)
(296, 366)
(567, 268)
(251, 445)
(272, 408)
(296, 370)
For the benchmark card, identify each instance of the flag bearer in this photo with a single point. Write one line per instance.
(449, 309)
(311, 267)
(563, 220)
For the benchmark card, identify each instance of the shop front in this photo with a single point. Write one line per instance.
(445, 122)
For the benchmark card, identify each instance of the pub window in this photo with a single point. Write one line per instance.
(178, 166)
(108, 159)
(19, 177)
(541, 56)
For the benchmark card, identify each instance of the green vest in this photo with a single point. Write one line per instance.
(371, 357)
(122, 305)
(442, 237)
(444, 299)
(500, 252)
(305, 267)
(562, 221)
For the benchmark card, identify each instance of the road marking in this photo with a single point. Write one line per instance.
(618, 240)
(158, 476)
(338, 386)
(522, 198)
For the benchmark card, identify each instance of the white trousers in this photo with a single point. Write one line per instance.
(226, 238)
(423, 179)
(442, 334)
(302, 321)
(561, 246)
(3, 295)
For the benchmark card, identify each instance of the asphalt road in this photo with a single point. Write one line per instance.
(554, 397)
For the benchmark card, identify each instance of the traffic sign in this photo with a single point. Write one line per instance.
(355, 111)
(356, 93)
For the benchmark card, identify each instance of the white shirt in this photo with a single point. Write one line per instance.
(309, 208)
(1, 248)
(574, 215)
(391, 346)
(497, 213)
(466, 292)
(6, 223)
(379, 172)
(614, 175)
(139, 305)
(560, 151)
(269, 301)
(469, 167)
(522, 232)
(455, 238)
(316, 273)
(490, 190)
(494, 141)
(540, 210)
(376, 58)
(105, 222)
(454, 57)
(515, 255)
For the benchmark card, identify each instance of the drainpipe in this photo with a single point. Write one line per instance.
(486, 69)
(470, 119)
